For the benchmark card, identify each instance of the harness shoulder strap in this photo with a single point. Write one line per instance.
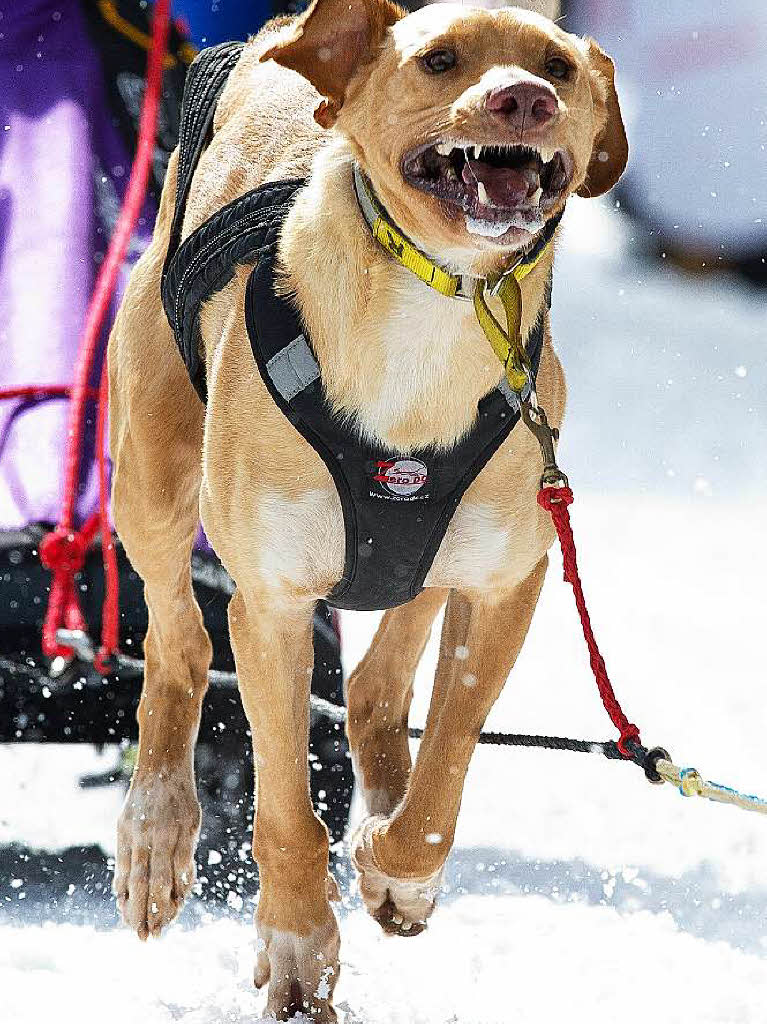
(205, 81)
(205, 261)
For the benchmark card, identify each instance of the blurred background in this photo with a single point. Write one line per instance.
(659, 319)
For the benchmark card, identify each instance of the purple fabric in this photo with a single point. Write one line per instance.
(63, 170)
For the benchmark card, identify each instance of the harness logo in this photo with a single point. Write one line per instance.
(402, 477)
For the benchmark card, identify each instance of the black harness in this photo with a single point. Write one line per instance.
(396, 505)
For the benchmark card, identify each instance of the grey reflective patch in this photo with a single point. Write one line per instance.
(293, 368)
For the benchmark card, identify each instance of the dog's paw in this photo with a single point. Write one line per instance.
(400, 905)
(156, 839)
(301, 971)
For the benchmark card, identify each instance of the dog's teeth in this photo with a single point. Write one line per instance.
(535, 198)
(546, 154)
(482, 193)
(477, 152)
(444, 149)
(450, 174)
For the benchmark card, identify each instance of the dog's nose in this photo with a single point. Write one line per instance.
(524, 104)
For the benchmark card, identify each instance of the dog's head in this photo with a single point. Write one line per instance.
(473, 125)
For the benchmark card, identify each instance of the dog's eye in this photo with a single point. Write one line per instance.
(558, 68)
(437, 61)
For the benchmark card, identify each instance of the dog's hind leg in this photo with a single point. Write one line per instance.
(400, 858)
(156, 440)
(379, 693)
(298, 955)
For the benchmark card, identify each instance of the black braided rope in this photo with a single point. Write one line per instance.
(645, 759)
(516, 739)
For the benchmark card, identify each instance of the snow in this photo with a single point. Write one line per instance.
(576, 890)
(483, 961)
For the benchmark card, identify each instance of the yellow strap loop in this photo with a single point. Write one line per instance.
(112, 16)
(507, 344)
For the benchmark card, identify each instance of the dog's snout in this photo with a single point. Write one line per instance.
(523, 104)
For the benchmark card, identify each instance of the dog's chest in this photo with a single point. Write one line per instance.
(405, 512)
(416, 341)
(430, 365)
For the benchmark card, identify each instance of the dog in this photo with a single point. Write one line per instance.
(467, 130)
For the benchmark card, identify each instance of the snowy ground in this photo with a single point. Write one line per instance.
(576, 890)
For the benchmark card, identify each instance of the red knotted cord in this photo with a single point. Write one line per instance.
(63, 551)
(555, 500)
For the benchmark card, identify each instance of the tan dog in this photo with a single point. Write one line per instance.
(404, 96)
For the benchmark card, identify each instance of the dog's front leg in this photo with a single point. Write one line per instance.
(156, 484)
(298, 954)
(379, 693)
(400, 858)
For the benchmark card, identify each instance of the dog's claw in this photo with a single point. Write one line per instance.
(394, 924)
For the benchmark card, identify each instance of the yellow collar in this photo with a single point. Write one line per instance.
(507, 344)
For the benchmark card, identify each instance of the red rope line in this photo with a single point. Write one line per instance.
(556, 500)
(63, 551)
(40, 391)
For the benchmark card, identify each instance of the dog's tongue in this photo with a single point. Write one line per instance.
(504, 186)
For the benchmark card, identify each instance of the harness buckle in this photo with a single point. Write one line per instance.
(535, 420)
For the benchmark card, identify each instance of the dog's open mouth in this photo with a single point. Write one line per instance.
(497, 187)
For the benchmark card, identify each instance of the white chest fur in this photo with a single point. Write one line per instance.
(475, 549)
(431, 365)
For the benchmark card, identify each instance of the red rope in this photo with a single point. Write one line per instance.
(40, 391)
(63, 551)
(555, 500)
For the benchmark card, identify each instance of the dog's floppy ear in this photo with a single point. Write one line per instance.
(330, 41)
(611, 149)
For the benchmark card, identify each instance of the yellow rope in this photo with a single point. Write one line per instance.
(690, 783)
